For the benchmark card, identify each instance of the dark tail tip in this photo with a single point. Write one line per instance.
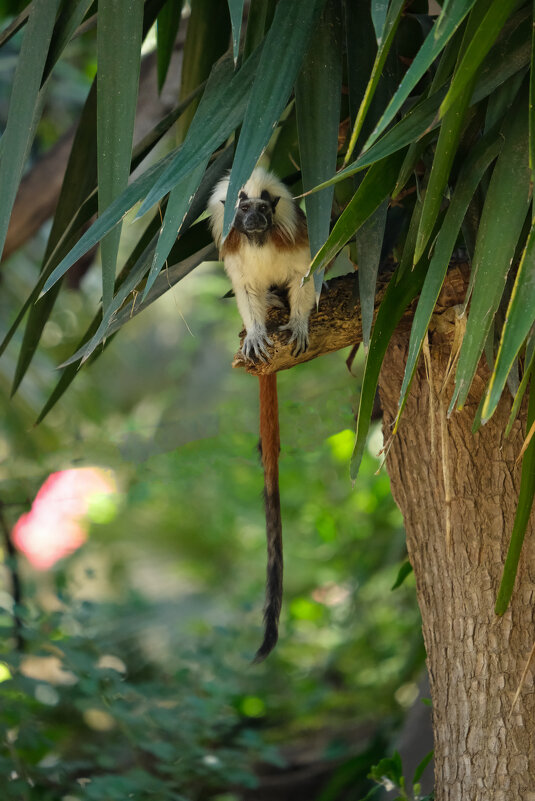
(271, 635)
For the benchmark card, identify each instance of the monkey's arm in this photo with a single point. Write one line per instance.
(252, 305)
(302, 299)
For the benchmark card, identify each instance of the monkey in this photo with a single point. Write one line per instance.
(267, 246)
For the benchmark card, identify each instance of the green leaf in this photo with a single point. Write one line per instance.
(118, 209)
(523, 512)
(23, 104)
(167, 26)
(481, 42)
(419, 772)
(235, 8)
(397, 297)
(390, 768)
(503, 217)
(510, 55)
(119, 33)
(374, 189)
(481, 158)
(68, 21)
(70, 372)
(177, 206)
(126, 299)
(15, 25)
(207, 38)
(519, 319)
(529, 364)
(369, 241)
(317, 98)
(378, 13)
(259, 19)
(79, 181)
(420, 120)
(285, 46)
(448, 142)
(174, 273)
(532, 110)
(220, 111)
(387, 37)
(444, 28)
(404, 571)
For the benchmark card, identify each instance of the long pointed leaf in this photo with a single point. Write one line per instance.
(387, 37)
(511, 54)
(483, 155)
(20, 125)
(374, 189)
(523, 512)
(236, 15)
(113, 214)
(396, 299)
(448, 142)
(369, 241)
(317, 98)
(68, 21)
(207, 39)
(259, 18)
(167, 26)
(177, 206)
(503, 216)
(444, 28)
(480, 44)
(518, 322)
(285, 46)
(220, 111)
(15, 25)
(120, 25)
(80, 178)
(529, 364)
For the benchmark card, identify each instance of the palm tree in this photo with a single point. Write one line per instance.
(413, 128)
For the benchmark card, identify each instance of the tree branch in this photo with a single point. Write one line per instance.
(337, 323)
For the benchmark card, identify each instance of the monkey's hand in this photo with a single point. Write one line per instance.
(255, 344)
(299, 335)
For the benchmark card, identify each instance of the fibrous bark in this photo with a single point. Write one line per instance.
(458, 493)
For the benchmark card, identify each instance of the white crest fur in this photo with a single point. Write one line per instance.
(285, 216)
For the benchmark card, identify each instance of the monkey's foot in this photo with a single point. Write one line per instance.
(299, 335)
(255, 344)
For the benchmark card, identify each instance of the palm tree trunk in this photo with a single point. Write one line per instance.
(458, 493)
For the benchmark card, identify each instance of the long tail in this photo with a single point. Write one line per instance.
(270, 447)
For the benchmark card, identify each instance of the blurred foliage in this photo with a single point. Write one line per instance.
(135, 678)
(172, 585)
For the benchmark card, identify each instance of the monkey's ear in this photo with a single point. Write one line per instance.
(223, 202)
(274, 202)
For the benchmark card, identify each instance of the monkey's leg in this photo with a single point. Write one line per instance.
(252, 305)
(302, 299)
(270, 447)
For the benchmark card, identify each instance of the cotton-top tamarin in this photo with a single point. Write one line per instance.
(267, 246)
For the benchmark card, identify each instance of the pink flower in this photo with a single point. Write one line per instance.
(57, 523)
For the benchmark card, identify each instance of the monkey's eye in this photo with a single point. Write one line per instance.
(244, 205)
(263, 208)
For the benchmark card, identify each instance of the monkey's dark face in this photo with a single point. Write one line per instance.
(254, 216)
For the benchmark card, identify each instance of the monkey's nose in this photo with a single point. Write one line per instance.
(254, 222)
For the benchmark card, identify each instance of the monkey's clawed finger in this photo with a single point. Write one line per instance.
(254, 347)
(299, 335)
